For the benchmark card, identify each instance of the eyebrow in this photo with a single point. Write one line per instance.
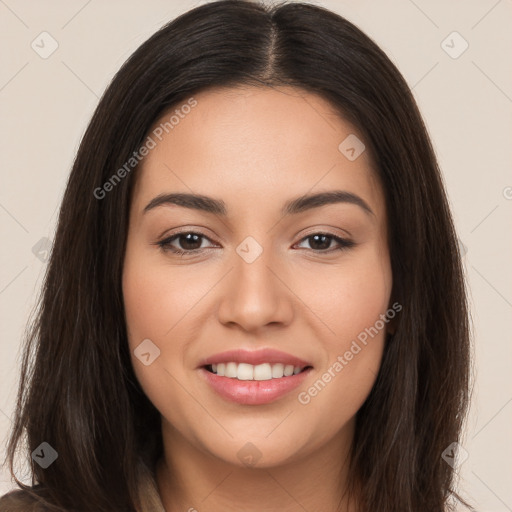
(291, 207)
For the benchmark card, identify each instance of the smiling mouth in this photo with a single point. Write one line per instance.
(248, 372)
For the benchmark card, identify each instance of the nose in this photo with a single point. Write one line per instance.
(255, 295)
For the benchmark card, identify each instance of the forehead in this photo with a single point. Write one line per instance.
(257, 146)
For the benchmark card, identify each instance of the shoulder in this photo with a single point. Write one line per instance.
(20, 500)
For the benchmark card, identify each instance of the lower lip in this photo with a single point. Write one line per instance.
(253, 392)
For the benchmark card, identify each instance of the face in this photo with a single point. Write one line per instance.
(281, 280)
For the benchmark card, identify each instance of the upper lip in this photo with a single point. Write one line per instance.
(254, 357)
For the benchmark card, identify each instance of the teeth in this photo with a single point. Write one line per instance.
(263, 372)
(277, 370)
(231, 370)
(245, 371)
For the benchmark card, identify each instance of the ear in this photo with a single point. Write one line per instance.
(393, 319)
(392, 326)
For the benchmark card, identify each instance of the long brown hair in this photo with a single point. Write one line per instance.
(78, 391)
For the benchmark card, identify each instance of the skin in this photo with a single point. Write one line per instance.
(256, 148)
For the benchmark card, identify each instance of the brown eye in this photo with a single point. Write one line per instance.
(321, 242)
(187, 242)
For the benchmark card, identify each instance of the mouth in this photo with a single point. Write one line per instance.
(259, 372)
(253, 377)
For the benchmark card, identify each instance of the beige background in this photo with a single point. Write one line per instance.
(466, 103)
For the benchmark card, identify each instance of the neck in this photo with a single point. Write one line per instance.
(193, 480)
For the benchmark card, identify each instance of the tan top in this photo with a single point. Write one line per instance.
(19, 500)
(150, 497)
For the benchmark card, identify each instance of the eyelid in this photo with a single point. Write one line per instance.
(310, 231)
(342, 242)
(175, 235)
(326, 230)
(192, 228)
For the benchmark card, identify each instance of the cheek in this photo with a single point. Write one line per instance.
(351, 298)
(153, 311)
(144, 303)
(158, 300)
(354, 335)
(161, 305)
(147, 317)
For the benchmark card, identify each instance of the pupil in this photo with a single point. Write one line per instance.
(190, 239)
(324, 245)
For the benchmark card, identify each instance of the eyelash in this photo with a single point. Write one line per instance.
(165, 246)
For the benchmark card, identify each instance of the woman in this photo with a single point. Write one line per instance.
(310, 349)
